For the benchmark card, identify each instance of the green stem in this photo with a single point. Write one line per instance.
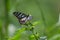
(43, 18)
(34, 35)
(1, 34)
(32, 30)
(6, 20)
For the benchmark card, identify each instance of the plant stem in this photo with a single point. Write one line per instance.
(32, 30)
(34, 35)
(43, 18)
(6, 20)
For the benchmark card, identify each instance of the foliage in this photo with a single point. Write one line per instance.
(45, 19)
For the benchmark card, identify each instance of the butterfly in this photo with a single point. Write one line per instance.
(22, 17)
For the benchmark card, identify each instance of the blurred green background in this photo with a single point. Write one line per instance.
(45, 14)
